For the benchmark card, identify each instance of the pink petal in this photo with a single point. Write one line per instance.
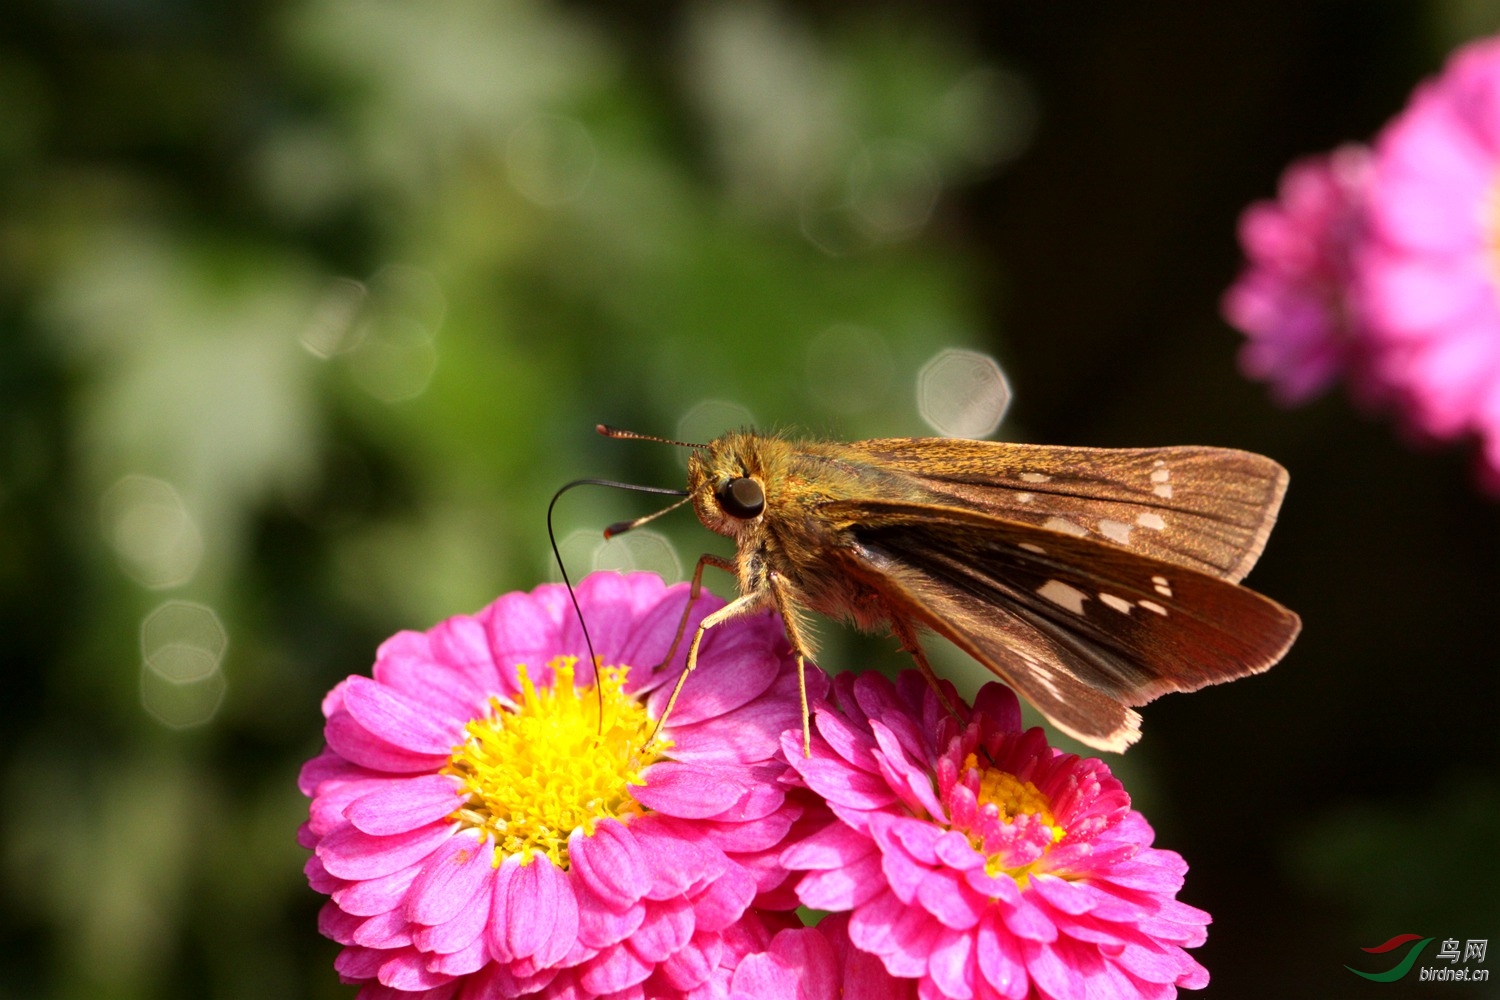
(1154, 965)
(809, 954)
(407, 970)
(451, 878)
(762, 977)
(541, 912)
(918, 838)
(1410, 297)
(835, 780)
(335, 924)
(372, 896)
(655, 629)
(609, 602)
(422, 666)
(326, 766)
(353, 741)
(952, 964)
(384, 930)
(853, 743)
(842, 888)
(901, 935)
(464, 930)
(1000, 959)
(1064, 969)
(752, 731)
(599, 927)
(691, 791)
(400, 719)
(355, 963)
(1026, 921)
(951, 901)
(348, 853)
(725, 901)
(1142, 874)
(318, 878)
(326, 813)
(666, 930)
(1072, 898)
(612, 970)
(954, 850)
(830, 848)
(610, 863)
(913, 936)
(751, 836)
(675, 863)
(690, 967)
(902, 874)
(401, 804)
(736, 665)
(1430, 178)
(461, 961)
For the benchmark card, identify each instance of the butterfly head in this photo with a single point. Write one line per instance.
(727, 481)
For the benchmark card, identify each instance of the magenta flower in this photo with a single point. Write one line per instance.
(1384, 266)
(480, 835)
(1428, 276)
(978, 861)
(1293, 301)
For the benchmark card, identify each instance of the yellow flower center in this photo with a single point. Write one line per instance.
(1020, 804)
(537, 772)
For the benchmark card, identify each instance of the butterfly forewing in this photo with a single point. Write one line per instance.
(1210, 509)
(1084, 629)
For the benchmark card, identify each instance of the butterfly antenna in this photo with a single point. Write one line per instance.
(624, 435)
(557, 555)
(620, 527)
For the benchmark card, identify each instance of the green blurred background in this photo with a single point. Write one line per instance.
(308, 306)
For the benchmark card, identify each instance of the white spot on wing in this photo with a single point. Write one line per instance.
(1032, 547)
(1044, 674)
(1063, 595)
(1160, 475)
(1150, 520)
(1115, 531)
(1035, 477)
(1164, 491)
(1118, 603)
(1159, 462)
(1066, 527)
(1162, 586)
(1153, 606)
(1024, 498)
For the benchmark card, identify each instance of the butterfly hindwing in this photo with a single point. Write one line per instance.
(1084, 629)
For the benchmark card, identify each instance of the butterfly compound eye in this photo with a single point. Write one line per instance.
(742, 498)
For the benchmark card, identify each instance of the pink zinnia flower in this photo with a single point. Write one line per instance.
(482, 836)
(980, 862)
(1292, 301)
(1428, 276)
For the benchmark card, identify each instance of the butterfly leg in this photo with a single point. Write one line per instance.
(707, 559)
(739, 606)
(909, 642)
(793, 624)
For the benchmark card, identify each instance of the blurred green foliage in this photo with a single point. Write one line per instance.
(307, 308)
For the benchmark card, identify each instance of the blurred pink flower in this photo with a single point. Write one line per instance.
(1383, 266)
(480, 837)
(1428, 275)
(978, 861)
(1292, 301)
